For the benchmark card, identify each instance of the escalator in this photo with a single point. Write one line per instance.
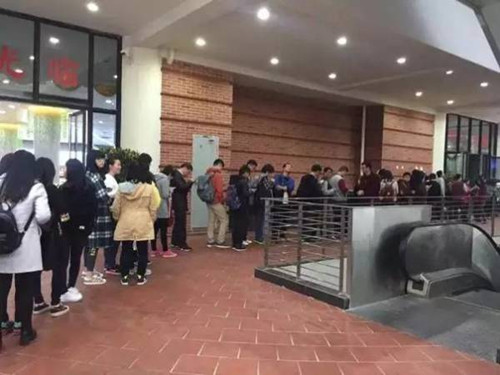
(452, 295)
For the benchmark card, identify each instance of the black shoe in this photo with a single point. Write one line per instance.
(124, 280)
(40, 308)
(239, 248)
(141, 280)
(58, 310)
(185, 248)
(7, 327)
(27, 337)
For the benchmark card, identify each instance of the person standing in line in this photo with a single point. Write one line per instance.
(310, 187)
(114, 169)
(182, 183)
(135, 209)
(161, 224)
(217, 214)
(369, 182)
(442, 182)
(252, 183)
(326, 187)
(27, 200)
(389, 189)
(51, 243)
(240, 216)
(265, 189)
(77, 221)
(404, 187)
(337, 187)
(102, 232)
(284, 184)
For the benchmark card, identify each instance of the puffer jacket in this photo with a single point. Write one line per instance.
(134, 209)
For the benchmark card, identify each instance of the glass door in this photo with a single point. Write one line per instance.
(78, 135)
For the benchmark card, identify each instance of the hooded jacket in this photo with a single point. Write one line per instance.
(134, 209)
(163, 185)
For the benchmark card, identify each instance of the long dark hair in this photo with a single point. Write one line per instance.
(20, 177)
(138, 173)
(45, 171)
(5, 163)
(75, 174)
(92, 156)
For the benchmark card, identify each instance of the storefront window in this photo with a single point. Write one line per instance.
(16, 56)
(464, 134)
(64, 62)
(451, 137)
(104, 132)
(485, 139)
(474, 137)
(105, 72)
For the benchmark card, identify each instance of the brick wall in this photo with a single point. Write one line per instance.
(274, 128)
(195, 101)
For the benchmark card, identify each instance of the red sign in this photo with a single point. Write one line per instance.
(8, 57)
(64, 72)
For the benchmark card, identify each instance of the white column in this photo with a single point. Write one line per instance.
(439, 142)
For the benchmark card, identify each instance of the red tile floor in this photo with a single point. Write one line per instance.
(204, 313)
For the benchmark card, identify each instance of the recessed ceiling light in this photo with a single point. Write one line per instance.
(332, 75)
(12, 106)
(401, 60)
(54, 40)
(449, 72)
(263, 14)
(115, 76)
(92, 7)
(342, 41)
(2, 112)
(19, 71)
(200, 42)
(275, 61)
(100, 122)
(450, 102)
(6, 81)
(419, 94)
(32, 58)
(484, 84)
(109, 101)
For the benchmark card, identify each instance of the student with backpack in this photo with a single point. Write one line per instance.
(23, 208)
(265, 189)
(389, 189)
(238, 203)
(217, 214)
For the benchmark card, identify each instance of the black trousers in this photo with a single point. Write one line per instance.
(179, 234)
(25, 283)
(161, 228)
(240, 220)
(128, 257)
(74, 243)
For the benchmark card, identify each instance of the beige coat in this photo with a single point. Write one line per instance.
(134, 209)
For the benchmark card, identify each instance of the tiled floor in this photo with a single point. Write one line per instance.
(204, 313)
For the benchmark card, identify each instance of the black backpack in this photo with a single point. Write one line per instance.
(10, 237)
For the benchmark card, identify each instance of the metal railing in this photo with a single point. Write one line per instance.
(308, 240)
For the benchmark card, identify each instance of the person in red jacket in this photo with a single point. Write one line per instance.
(217, 214)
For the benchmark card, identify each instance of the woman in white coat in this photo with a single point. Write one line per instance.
(27, 200)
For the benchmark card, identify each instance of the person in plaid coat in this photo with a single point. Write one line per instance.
(102, 232)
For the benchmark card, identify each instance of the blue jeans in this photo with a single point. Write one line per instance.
(259, 224)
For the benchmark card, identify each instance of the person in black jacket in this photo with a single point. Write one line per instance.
(77, 219)
(182, 183)
(50, 241)
(240, 217)
(310, 187)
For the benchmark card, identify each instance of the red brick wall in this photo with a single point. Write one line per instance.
(274, 128)
(195, 101)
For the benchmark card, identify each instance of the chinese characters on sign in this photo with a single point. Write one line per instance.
(64, 72)
(8, 59)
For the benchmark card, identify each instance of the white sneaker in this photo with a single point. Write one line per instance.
(94, 280)
(247, 242)
(133, 271)
(70, 296)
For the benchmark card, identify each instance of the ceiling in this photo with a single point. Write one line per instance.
(304, 38)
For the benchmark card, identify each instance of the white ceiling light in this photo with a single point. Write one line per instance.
(200, 42)
(450, 102)
(2, 112)
(418, 94)
(100, 122)
(32, 58)
(92, 7)
(342, 41)
(484, 84)
(115, 76)
(274, 61)
(332, 75)
(19, 71)
(12, 106)
(5, 81)
(109, 101)
(53, 40)
(263, 14)
(401, 60)
(449, 72)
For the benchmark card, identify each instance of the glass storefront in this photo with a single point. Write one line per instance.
(472, 148)
(59, 87)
